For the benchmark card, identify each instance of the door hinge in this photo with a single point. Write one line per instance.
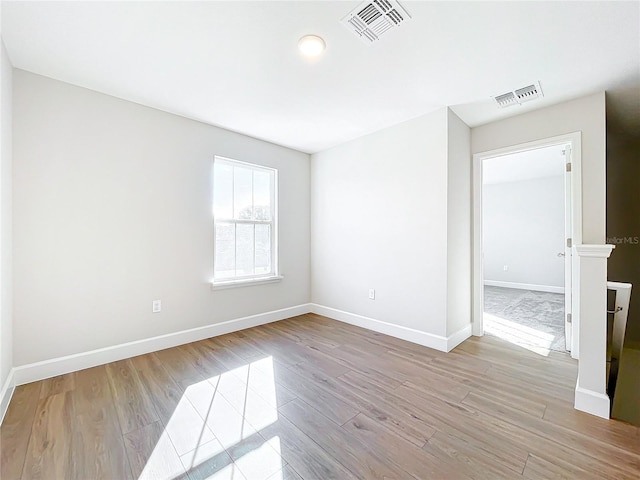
(568, 318)
(569, 242)
(568, 165)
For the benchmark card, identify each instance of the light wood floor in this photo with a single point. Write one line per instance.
(315, 399)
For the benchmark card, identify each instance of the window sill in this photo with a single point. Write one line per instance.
(245, 283)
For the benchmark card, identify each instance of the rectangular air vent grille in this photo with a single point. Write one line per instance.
(519, 96)
(506, 99)
(528, 93)
(372, 19)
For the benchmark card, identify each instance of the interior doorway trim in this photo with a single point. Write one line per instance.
(575, 140)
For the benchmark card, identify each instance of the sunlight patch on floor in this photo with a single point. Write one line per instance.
(521, 335)
(163, 462)
(212, 462)
(262, 462)
(215, 427)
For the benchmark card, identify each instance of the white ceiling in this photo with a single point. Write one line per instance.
(236, 64)
(539, 163)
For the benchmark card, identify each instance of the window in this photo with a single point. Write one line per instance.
(245, 227)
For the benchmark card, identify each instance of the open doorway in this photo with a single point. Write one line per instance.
(524, 211)
(523, 229)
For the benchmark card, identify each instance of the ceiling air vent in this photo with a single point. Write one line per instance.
(519, 96)
(373, 19)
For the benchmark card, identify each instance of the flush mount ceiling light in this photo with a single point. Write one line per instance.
(311, 45)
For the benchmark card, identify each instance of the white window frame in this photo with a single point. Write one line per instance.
(245, 280)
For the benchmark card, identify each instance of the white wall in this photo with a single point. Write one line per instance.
(523, 228)
(458, 224)
(112, 209)
(391, 211)
(586, 115)
(379, 220)
(6, 285)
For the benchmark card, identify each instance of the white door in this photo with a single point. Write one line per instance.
(568, 228)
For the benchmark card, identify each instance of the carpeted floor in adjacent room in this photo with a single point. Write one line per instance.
(526, 316)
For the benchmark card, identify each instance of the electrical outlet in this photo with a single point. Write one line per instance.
(372, 294)
(156, 306)
(505, 268)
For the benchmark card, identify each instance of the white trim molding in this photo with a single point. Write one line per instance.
(71, 363)
(6, 393)
(597, 251)
(246, 282)
(590, 327)
(592, 402)
(437, 342)
(458, 337)
(525, 286)
(575, 140)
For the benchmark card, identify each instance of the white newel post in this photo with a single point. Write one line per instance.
(591, 394)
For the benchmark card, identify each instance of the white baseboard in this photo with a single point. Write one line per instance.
(5, 394)
(525, 286)
(437, 342)
(71, 363)
(458, 337)
(592, 402)
(58, 366)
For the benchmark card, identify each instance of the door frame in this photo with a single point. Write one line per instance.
(575, 140)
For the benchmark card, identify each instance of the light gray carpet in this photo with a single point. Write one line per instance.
(540, 311)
